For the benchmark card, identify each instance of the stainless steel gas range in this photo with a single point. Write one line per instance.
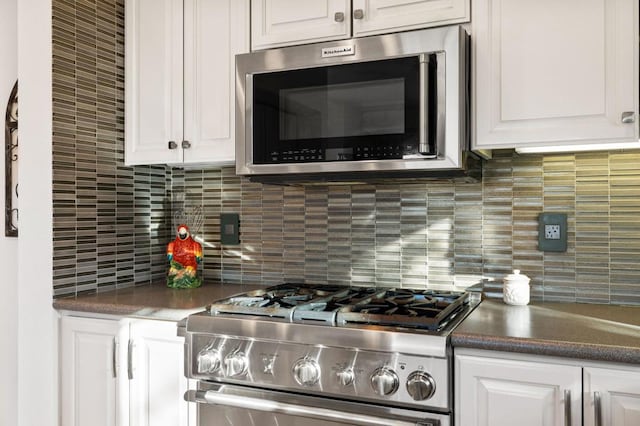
(324, 355)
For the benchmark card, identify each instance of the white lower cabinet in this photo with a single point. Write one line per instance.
(495, 389)
(90, 373)
(611, 396)
(506, 392)
(122, 372)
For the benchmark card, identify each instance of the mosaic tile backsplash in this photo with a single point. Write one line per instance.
(111, 222)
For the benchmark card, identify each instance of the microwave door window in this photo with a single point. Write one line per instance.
(330, 113)
(343, 110)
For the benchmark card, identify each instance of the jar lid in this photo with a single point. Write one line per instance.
(517, 277)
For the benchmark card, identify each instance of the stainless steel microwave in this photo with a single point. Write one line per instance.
(393, 104)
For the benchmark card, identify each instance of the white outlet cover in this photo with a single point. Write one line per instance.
(552, 232)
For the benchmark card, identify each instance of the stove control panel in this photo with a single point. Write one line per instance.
(384, 381)
(208, 361)
(345, 376)
(333, 371)
(420, 385)
(235, 364)
(306, 372)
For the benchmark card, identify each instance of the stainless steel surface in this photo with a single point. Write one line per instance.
(233, 405)
(186, 144)
(369, 338)
(597, 409)
(114, 358)
(384, 381)
(346, 376)
(628, 117)
(285, 367)
(420, 385)
(130, 360)
(567, 407)
(449, 42)
(172, 145)
(338, 17)
(424, 109)
(306, 372)
(322, 360)
(358, 14)
(235, 364)
(208, 360)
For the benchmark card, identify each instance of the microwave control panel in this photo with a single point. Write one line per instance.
(359, 153)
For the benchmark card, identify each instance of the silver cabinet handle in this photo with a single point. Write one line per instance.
(339, 17)
(130, 359)
(270, 406)
(567, 407)
(358, 14)
(186, 144)
(114, 357)
(172, 145)
(597, 409)
(628, 117)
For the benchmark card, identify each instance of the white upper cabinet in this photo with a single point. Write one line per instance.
(180, 72)
(153, 79)
(286, 22)
(384, 16)
(277, 23)
(612, 397)
(554, 73)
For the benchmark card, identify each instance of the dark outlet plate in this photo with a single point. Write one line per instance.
(229, 228)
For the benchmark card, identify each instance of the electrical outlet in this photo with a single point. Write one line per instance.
(229, 228)
(552, 232)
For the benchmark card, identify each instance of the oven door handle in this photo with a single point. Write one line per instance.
(318, 413)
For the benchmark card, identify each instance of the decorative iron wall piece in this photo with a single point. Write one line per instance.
(11, 165)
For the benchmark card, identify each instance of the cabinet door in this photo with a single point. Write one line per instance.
(92, 389)
(384, 16)
(497, 392)
(554, 73)
(288, 22)
(619, 394)
(215, 31)
(157, 383)
(153, 92)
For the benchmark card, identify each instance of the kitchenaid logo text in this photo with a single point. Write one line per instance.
(328, 52)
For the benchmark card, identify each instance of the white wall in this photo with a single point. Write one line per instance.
(37, 321)
(8, 246)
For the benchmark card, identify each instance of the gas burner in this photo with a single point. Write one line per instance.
(277, 302)
(343, 305)
(427, 309)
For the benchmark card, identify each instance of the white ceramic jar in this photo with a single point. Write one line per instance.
(516, 289)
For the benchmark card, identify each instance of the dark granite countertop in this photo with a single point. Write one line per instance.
(574, 330)
(154, 301)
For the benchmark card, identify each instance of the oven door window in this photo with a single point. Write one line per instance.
(368, 110)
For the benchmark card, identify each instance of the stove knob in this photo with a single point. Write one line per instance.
(346, 376)
(235, 364)
(384, 381)
(306, 372)
(420, 385)
(208, 361)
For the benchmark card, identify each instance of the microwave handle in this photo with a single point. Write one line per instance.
(423, 147)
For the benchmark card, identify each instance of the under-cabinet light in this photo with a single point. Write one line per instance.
(579, 148)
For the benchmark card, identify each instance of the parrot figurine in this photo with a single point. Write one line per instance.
(184, 254)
